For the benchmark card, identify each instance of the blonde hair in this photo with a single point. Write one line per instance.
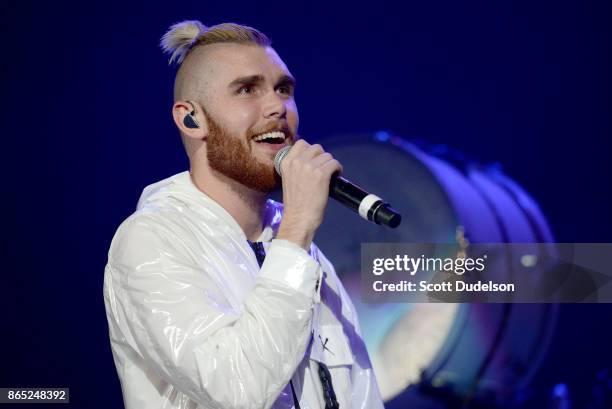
(183, 37)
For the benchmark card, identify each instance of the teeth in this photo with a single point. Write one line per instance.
(269, 135)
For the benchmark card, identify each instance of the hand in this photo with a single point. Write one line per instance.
(306, 171)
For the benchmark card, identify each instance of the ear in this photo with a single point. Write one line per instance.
(182, 109)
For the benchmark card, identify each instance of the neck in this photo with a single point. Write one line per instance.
(246, 206)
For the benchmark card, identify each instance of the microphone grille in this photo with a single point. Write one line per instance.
(280, 155)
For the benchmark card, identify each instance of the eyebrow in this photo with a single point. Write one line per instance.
(257, 79)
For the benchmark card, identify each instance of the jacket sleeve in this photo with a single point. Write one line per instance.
(175, 315)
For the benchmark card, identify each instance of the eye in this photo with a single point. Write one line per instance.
(286, 89)
(245, 90)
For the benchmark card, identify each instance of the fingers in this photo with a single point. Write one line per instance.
(304, 154)
(313, 151)
(326, 162)
(331, 166)
(306, 170)
(297, 148)
(303, 149)
(306, 157)
(321, 159)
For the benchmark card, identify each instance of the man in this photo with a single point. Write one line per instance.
(215, 296)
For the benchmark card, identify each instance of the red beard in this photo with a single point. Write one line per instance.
(233, 157)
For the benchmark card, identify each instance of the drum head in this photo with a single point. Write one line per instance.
(457, 350)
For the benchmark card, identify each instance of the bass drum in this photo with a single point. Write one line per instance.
(468, 355)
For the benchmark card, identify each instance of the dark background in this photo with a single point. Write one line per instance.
(86, 97)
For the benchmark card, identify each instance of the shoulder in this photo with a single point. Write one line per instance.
(145, 235)
(170, 214)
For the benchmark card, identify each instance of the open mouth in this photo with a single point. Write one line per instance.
(275, 138)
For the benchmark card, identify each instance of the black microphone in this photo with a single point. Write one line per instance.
(367, 205)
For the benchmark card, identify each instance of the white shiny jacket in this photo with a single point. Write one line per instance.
(195, 323)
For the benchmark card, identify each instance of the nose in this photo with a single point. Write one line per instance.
(274, 106)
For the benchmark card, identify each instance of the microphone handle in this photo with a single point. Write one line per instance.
(367, 205)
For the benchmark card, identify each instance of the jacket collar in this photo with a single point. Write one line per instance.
(185, 193)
